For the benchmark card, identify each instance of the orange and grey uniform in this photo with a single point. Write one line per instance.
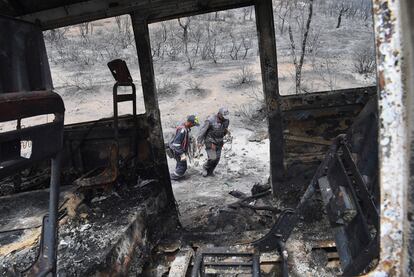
(179, 146)
(212, 134)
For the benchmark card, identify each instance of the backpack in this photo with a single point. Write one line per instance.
(169, 151)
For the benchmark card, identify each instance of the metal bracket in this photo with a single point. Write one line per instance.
(200, 265)
(120, 71)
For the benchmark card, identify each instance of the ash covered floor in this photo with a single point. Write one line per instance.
(210, 215)
(210, 218)
(94, 236)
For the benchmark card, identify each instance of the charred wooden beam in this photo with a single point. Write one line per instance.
(268, 62)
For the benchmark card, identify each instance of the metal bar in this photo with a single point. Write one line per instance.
(256, 265)
(364, 194)
(152, 112)
(268, 62)
(18, 105)
(200, 265)
(393, 134)
(360, 262)
(134, 102)
(26, 132)
(202, 268)
(51, 229)
(197, 265)
(206, 254)
(363, 220)
(288, 219)
(124, 98)
(134, 113)
(407, 17)
(116, 131)
(229, 264)
(47, 143)
(281, 250)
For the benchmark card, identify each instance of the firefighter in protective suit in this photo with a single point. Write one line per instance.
(179, 146)
(211, 135)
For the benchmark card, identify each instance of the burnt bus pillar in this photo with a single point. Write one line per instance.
(156, 140)
(268, 62)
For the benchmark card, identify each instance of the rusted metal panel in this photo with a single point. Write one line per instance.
(21, 104)
(327, 99)
(71, 12)
(23, 60)
(312, 121)
(393, 155)
(87, 147)
(347, 193)
(407, 17)
(91, 141)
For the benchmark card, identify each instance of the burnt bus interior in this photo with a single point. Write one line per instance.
(121, 234)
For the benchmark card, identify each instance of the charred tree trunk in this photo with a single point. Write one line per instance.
(341, 13)
(299, 64)
(184, 26)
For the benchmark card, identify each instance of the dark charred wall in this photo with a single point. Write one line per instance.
(87, 146)
(312, 120)
(23, 60)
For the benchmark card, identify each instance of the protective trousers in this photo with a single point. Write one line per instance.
(180, 168)
(213, 158)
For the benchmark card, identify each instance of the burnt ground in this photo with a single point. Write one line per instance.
(211, 214)
(93, 234)
(89, 236)
(211, 219)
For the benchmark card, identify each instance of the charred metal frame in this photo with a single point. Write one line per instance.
(199, 264)
(391, 18)
(123, 78)
(393, 29)
(268, 59)
(348, 183)
(47, 143)
(407, 19)
(143, 13)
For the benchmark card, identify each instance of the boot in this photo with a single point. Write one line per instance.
(174, 176)
(205, 172)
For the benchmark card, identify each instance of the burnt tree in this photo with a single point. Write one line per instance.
(299, 63)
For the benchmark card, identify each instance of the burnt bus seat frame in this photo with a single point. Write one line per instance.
(347, 180)
(109, 175)
(47, 143)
